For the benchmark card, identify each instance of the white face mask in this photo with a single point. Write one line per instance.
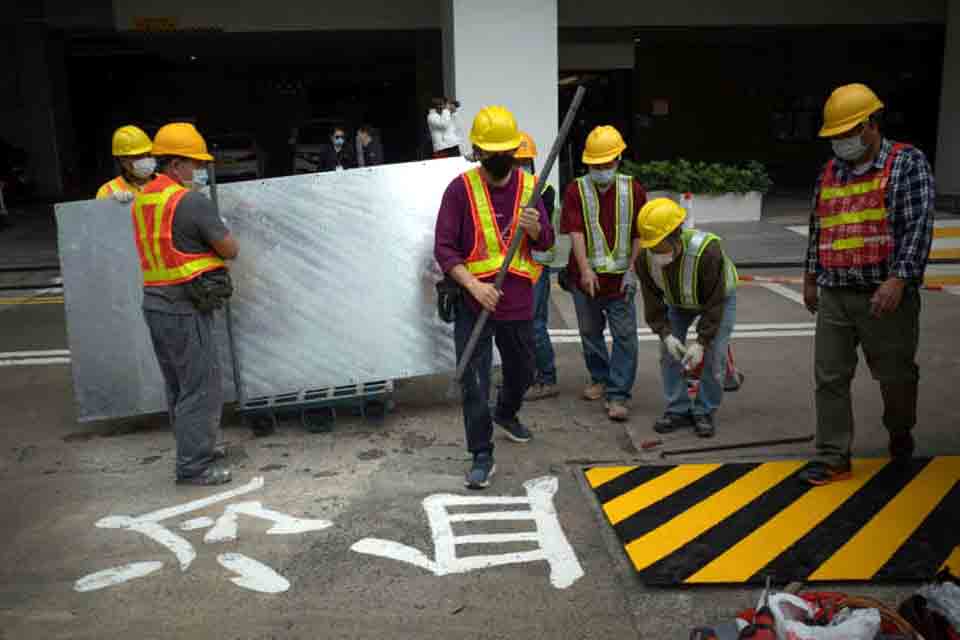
(602, 177)
(662, 259)
(144, 167)
(200, 178)
(849, 149)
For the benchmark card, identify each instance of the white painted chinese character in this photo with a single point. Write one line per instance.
(565, 568)
(251, 574)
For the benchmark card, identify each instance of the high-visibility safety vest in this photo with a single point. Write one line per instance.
(153, 211)
(547, 257)
(602, 258)
(117, 184)
(489, 247)
(854, 230)
(684, 294)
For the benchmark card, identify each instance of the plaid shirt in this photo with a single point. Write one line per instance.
(909, 202)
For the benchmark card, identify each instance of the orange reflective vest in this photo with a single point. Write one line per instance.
(854, 230)
(489, 246)
(153, 211)
(117, 184)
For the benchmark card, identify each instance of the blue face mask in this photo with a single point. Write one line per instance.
(200, 178)
(338, 141)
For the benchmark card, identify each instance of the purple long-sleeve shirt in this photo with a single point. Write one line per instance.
(454, 240)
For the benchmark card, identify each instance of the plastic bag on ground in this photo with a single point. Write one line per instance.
(851, 624)
(944, 598)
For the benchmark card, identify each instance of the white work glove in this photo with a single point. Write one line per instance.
(629, 282)
(674, 347)
(122, 196)
(694, 356)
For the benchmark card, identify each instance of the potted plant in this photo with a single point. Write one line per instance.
(712, 191)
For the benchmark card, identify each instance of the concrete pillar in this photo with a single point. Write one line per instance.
(948, 129)
(505, 52)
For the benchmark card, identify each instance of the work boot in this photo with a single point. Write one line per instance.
(820, 473)
(594, 391)
(703, 426)
(617, 410)
(515, 429)
(211, 476)
(540, 391)
(482, 470)
(670, 422)
(901, 448)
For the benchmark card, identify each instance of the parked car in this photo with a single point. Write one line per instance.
(237, 156)
(309, 141)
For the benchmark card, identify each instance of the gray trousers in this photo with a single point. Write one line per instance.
(188, 358)
(889, 345)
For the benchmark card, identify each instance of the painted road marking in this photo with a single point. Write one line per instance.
(736, 523)
(34, 358)
(31, 300)
(783, 291)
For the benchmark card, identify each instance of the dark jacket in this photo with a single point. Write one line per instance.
(373, 153)
(329, 158)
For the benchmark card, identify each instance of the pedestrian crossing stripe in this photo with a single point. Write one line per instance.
(737, 523)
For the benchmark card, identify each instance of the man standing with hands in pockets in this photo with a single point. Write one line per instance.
(480, 211)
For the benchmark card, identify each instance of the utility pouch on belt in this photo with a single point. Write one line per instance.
(563, 279)
(448, 296)
(210, 290)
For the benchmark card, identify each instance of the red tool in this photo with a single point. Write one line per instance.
(650, 444)
(763, 626)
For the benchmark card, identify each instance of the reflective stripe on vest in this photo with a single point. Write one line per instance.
(489, 247)
(854, 229)
(153, 211)
(694, 244)
(600, 256)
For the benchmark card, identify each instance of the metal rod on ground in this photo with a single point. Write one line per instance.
(518, 236)
(740, 445)
(227, 315)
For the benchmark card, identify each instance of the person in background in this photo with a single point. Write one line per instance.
(545, 382)
(337, 156)
(131, 149)
(444, 129)
(369, 149)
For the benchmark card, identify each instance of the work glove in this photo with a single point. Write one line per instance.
(629, 283)
(122, 196)
(674, 347)
(694, 356)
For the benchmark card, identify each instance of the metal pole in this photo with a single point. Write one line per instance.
(515, 241)
(235, 361)
(741, 445)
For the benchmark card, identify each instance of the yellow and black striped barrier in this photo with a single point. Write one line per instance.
(735, 523)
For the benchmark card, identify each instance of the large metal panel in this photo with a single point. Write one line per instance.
(334, 285)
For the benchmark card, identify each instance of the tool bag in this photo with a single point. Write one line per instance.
(449, 294)
(209, 291)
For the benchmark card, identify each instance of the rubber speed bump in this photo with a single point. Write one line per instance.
(735, 523)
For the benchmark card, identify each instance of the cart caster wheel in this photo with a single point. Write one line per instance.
(262, 425)
(318, 420)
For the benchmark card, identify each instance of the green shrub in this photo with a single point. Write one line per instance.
(682, 176)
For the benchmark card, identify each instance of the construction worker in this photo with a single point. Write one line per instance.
(545, 380)
(182, 244)
(599, 213)
(480, 212)
(131, 148)
(684, 274)
(869, 240)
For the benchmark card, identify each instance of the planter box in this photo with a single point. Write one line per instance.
(726, 207)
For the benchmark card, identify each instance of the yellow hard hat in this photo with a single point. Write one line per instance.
(495, 129)
(180, 139)
(527, 149)
(658, 219)
(604, 144)
(847, 107)
(131, 141)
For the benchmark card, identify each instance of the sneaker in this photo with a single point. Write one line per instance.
(211, 476)
(540, 391)
(617, 410)
(480, 473)
(670, 422)
(703, 426)
(820, 473)
(901, 448)
(515, 429)
(594, 391)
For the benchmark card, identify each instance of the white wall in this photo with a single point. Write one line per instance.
(948, 146)
(620, 13)
(505, 52)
